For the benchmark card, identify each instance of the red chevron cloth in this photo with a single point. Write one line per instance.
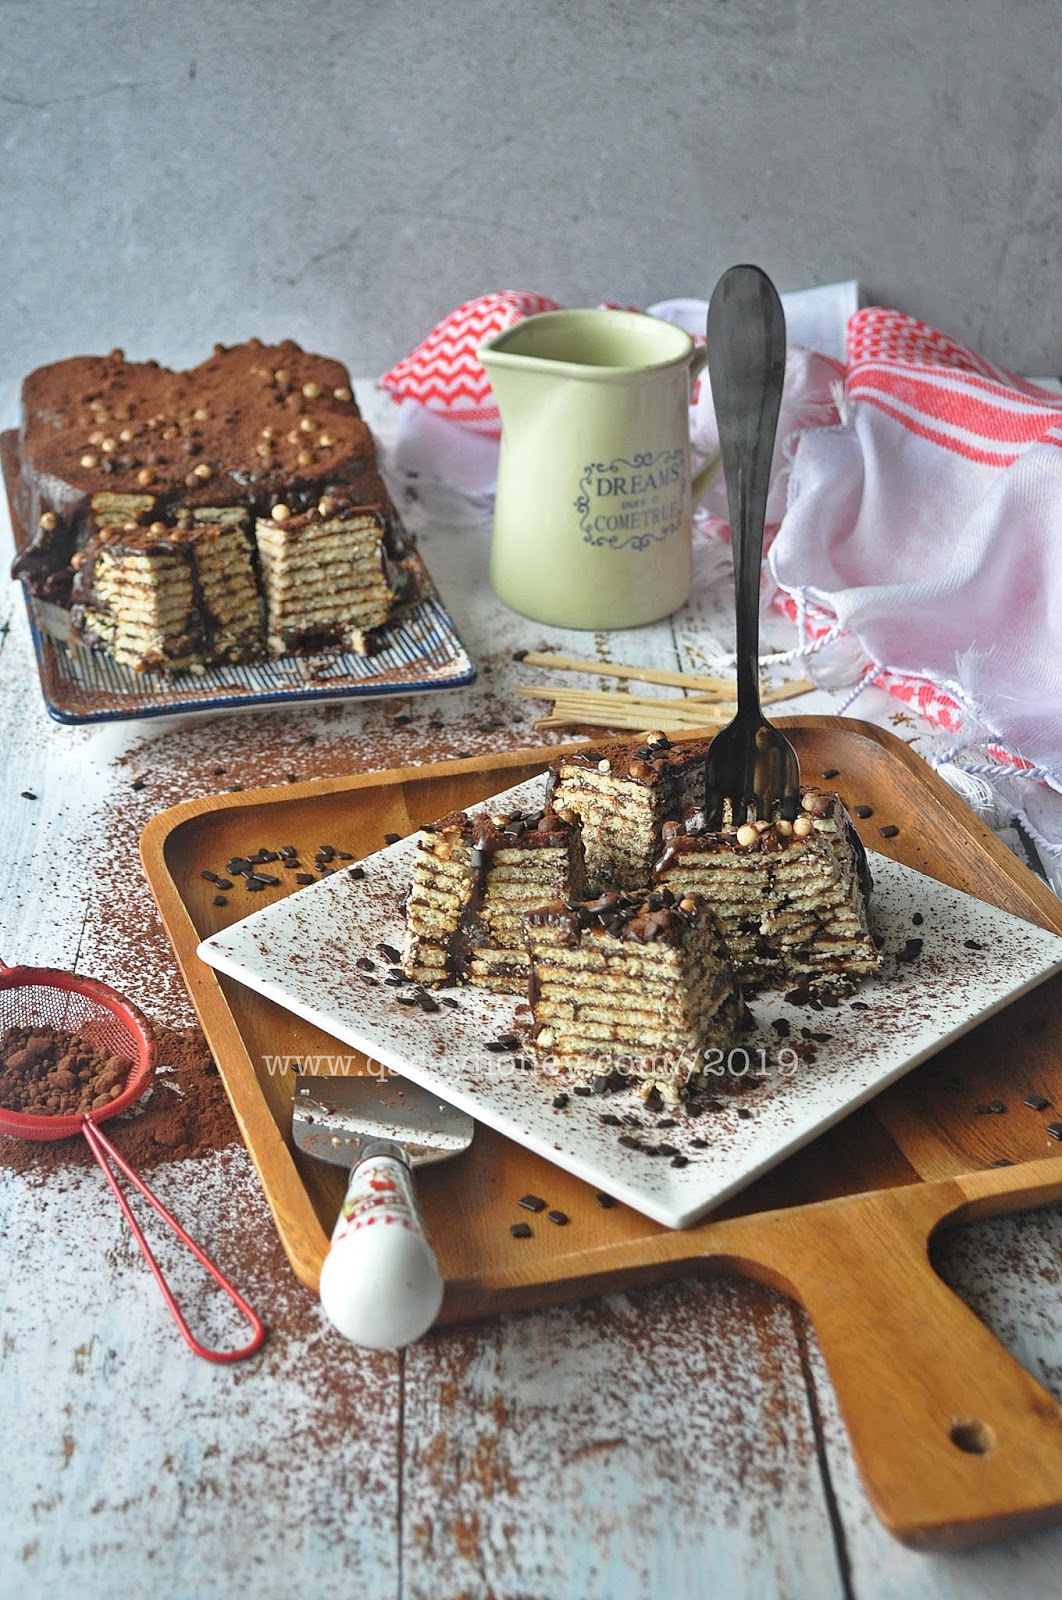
(926, 522)
(445, 374)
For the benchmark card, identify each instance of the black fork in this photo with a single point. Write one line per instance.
(750, 763)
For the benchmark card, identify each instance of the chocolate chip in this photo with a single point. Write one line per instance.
(560, 1102)
(918, 919)
(781, 1027)
(356, 872)
(680, 1161)
(860, 1005)
(559, 1217)
(610, 1120)
(531, 1202)
(972, 944)
(426, 1002)
(391, 838)
(254, 883)
(211, 877)
(28, 794)
(629, 1142)
(220, 900)
(605, 1201)
(699, 1144)
(502, 1045)
(1036, 1102)
(344, 855)
(1055, 1129)
(911, 950)
(744, 1113)
(389, 953)
(863, 811)
(889, 831)
(829, 772)
(520, 1230)
(366, 963)
(582, 1090)
(448, 1000)
(138, 784)
(305, 877)
(239, 865)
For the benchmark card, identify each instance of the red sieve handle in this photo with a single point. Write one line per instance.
(105, 1153)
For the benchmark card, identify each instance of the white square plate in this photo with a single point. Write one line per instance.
(303, 952)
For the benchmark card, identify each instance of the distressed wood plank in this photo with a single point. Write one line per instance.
(651, 1444)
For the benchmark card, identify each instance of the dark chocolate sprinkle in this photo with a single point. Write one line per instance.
(781, 1027)
(389, 952)
(911, 950)
(559, 1217)
(744, 1113)
(391, 838)
(918, 919)
(531, 1202)
(1036, 1102)
(863, 811)
(629, 1142)
(304, 877)
(220, 900)
(1002, 1162)
(356, 872)
(699, 1144)
(610, 1120)
(211, 877)
(366, 963)
(28, 794)
(520, 1230)
(680, 1161)
(992, 1108)
(426, 1002)
(972, 944)
(889, 831)
(223, 883)
(1055, 1129)
(605, 1201)
(560, 1102)
(582, 1090)
(829, 772)
(448, 1000)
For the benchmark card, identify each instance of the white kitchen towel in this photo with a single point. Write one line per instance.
(926, 522)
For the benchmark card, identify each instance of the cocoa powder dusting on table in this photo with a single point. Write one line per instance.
(184, 1113)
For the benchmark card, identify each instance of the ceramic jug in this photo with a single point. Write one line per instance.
(592, 515)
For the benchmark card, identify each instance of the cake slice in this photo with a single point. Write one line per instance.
(791, 896)
(327, 575)
(163, 599)
(623, 794)
(638, 984)
(474, 878)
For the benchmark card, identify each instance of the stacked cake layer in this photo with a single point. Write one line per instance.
(169, 599)
(623, 794)
(638, 984)
(474, 879)
(257, 434)
(790, 895)
(327, 578)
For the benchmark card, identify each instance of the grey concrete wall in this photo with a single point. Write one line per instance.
(345, 172)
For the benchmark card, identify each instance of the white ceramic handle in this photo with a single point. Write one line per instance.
(380, 1282)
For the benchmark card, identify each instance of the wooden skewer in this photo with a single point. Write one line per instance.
(618, 669)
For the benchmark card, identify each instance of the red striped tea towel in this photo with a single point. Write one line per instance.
(927, 522)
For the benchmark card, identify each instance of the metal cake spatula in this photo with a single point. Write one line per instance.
(380, 1282)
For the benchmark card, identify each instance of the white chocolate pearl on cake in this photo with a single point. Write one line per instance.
(808, 802)
(604, 765)
(747, 834)
(281, 512)
(802, 827)
(783, 828)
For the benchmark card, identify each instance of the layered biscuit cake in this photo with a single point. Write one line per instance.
(639, 984)
(474, 878)
(791, 896)
(327, 578)
(169, 599)
(623, 794)
(269, 435)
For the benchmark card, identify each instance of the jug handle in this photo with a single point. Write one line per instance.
(707, 471)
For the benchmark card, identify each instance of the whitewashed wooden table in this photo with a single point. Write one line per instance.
(676, 1442)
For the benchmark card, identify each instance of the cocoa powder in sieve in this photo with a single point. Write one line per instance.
(184, 1113)
(52, 1072)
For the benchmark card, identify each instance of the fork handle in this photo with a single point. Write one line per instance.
(746, 364)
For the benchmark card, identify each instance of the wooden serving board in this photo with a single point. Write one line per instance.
(955, 1441)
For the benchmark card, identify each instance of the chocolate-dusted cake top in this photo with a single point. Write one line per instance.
(645, 916)
(254, 425)
(647, 761)
(486, 833)
(692, 835)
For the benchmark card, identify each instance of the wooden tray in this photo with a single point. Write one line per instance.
(955, 1441)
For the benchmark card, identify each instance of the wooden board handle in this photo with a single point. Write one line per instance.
(956, 1443)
